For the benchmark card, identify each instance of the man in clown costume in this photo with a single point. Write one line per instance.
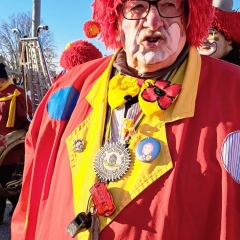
(84, 177)
(223, 40)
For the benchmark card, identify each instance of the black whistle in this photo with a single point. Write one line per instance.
(80, 223)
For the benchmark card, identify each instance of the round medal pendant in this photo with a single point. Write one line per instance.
(148, 149)
(112, 161)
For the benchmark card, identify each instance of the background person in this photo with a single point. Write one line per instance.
(12, 118)
(169, 92)
(223, 40)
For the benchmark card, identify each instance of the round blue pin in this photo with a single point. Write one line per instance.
(148, 149)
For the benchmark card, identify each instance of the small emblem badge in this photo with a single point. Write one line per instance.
(78, 145)
(112, 161)
(148, 149)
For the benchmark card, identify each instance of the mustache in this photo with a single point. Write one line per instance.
(147, 33)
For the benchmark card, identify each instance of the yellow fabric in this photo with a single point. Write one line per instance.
(12, 108)
(128, 127)
(121, 86)
(140, 175)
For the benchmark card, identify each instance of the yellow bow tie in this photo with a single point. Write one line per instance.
(154, 95)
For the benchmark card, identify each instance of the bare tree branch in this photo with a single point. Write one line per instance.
(9, 42)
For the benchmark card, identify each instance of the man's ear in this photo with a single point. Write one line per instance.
(229, 44)
(229, 41)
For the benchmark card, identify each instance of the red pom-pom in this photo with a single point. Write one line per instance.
(78, 52)
(91, 29)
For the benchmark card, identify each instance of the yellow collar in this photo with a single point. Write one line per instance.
(183, 107)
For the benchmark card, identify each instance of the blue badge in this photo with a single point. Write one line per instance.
(148, 149)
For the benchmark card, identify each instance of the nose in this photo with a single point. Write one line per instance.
(153, 19)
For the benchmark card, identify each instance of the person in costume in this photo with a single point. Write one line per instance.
(159, 84)
(223, 40)
(13, 126)
(77, 52)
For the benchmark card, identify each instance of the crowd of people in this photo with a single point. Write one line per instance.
(142, 144)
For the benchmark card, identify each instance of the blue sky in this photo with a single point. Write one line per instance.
(64, 18)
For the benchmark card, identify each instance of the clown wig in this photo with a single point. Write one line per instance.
(78, 52)
(228, 23)
(199, 18)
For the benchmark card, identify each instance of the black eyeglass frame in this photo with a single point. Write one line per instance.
(152, 3)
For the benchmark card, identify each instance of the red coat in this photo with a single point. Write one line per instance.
(197, 199)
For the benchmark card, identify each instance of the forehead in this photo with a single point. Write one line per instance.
(215, 31)
(212, 29)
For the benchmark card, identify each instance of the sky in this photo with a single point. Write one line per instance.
(65, 19)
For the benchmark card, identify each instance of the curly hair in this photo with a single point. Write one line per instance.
(228, 24)
(199, 14)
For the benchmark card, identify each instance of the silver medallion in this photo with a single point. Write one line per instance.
(112, 161)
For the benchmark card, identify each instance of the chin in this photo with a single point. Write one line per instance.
(152, 57)
(204, 53)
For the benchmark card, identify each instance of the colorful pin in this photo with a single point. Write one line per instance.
(148, 149)
(78, 145)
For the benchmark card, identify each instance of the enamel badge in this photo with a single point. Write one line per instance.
(78, 145)
(148, 149)
(112, 161)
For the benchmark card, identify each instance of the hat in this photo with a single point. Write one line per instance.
(3, 72)
(105, 13)
(78, 52)
(227, 20)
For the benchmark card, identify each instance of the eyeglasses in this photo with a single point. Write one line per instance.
(139, 9)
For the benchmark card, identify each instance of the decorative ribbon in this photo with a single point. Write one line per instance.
(121, 89)
(130, 125)
(155, 95)
(12, 108)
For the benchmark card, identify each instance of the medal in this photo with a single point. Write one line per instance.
(112, 161)
(148, 149)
